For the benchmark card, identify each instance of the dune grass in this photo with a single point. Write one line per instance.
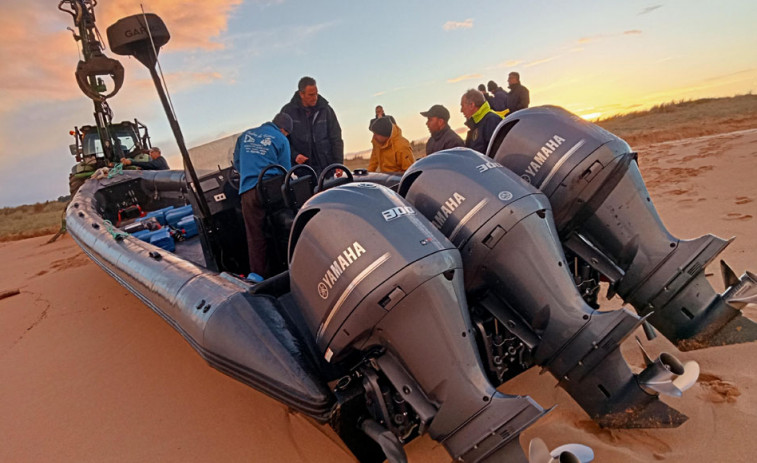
(31, 220)
(684, 119)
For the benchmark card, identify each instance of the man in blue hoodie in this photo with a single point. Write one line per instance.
(255, 150)
(316, 137)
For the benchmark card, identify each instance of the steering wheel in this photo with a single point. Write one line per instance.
(334, 167)
(261, 175)
(307, 170)
(234, 178)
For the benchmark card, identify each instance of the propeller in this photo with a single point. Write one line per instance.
(538, 452)
(740, 291)
(667, 375)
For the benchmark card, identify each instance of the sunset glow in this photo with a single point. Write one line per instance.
(232, 64)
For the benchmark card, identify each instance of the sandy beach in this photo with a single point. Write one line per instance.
(89, 373)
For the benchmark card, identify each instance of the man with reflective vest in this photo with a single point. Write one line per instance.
(480, 119)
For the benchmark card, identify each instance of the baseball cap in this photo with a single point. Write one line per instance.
(437, 111)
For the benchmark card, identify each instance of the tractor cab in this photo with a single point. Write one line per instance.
(126, 139)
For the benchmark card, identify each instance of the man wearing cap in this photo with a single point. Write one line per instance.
(316, 137)
(156, 162)
(255, 150)
(480, 119)
(391, 151)
(442, 136)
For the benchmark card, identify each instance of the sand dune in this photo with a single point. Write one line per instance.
(91, 374)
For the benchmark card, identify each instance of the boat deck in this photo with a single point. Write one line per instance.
(191, 250)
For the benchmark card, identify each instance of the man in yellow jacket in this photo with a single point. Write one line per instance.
(391, 151)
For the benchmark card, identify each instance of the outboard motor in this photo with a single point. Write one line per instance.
(381, 292)
(604, 215)
(516, 272)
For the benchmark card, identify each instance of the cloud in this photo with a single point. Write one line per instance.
(541, 61)
(40, 55)
(649, 9)
(463, 78)
(511, 63)
(598, 38)
(195, 27)
(452, 25)
(180, 81)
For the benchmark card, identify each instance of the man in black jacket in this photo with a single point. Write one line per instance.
(518, 98)
(498, 101)
(316, 139)
(480, 119)
(442, 136)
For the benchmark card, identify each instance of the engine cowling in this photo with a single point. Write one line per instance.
(370, 274)
(604, 214)
(516, 270)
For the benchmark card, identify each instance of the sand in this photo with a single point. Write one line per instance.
(89, 373)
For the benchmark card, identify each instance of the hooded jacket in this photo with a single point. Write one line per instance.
(498, 101)
(482, 125)
(393, 156)
(316, 133)
(257, 149)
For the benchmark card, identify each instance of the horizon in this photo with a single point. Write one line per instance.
(231, 64)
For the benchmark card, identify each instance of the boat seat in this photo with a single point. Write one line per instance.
(299, 185)
(279, 217)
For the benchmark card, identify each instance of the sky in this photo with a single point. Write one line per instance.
(232, 64)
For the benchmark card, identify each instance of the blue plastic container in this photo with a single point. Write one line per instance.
(163, 239)
(139, 234)
(189, 226)
(174, 216)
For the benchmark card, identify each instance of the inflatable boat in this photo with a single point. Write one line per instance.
(398, 305)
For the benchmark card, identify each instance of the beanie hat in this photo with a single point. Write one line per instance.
(382, 126)
(284, 121)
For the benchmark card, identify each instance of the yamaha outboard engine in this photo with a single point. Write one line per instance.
(382, 294)
(516, 272)
(604, 215)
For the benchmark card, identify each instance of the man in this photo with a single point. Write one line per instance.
(156, 162)
(379, 114)
(482, 89)
(519, 95)
(316, 139)
(480, 119)
(391, 151)
(256, 149)
(442, 136)
(498, 101)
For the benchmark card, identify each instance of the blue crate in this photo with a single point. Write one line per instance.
(162, 238)
(174, 216)
(188, 225)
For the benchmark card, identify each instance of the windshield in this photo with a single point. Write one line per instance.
(126, 137)
(214, 156)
